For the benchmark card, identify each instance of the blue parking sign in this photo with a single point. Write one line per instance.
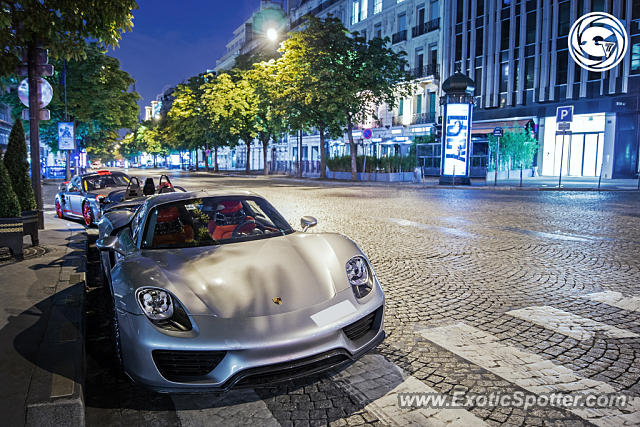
(564, 114)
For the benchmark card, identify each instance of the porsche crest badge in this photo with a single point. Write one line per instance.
(277, 300)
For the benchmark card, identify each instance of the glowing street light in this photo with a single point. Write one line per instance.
(272, 34)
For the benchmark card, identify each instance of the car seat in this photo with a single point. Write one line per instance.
(229, 214)
(170, 229)
(149, 188)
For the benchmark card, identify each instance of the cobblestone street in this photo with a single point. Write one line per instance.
(487, 291)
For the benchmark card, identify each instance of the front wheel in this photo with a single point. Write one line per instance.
(59, 210)
(87, 214)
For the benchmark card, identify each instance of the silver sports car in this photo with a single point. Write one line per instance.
(215, 289)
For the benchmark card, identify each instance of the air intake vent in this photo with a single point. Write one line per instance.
(358, 329)
(184, 365)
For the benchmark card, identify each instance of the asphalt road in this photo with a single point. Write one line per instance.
(487, 291)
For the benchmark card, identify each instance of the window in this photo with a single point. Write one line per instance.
(479, 42)
(363, 34)
(459, 10)
(418, 104)
(364, 9)
(355, 12)
(562, 67)
(432, 103)
(528, 73)
(420, 15)
(564, 13)
(402, 22)
(458, 47)
(377, 31)
(504, 35)
(480, 8)
(433, 55)
(478, 79)
(377, 6)
(419, 63)
(435, 10)
(504, 76)
(635, 55)
(401, 108)
(531, 28)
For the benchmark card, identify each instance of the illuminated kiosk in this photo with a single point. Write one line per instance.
(456, 129)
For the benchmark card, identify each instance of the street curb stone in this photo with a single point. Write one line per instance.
(56, 392)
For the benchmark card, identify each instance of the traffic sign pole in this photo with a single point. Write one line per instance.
(34, 131)
(495, 177)
(561, 158)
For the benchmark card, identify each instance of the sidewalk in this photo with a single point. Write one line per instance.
(42, 331)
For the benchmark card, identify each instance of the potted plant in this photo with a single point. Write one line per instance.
(15, 160)
(10, 219)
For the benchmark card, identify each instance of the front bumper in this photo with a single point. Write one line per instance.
(255, 353)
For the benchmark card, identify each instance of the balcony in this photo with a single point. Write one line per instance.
(425, 27)
(398, 37)
(423, 118)
(425, 71)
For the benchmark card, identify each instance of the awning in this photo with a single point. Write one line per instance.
(487, 127)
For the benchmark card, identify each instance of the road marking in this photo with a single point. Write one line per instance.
(376, 382)
(530, 371)
(616, 299)
(237, 407)
(568, 324)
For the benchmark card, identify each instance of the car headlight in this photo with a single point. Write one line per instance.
(156, 304)
(360, 276)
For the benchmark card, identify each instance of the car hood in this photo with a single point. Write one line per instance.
(243, 279)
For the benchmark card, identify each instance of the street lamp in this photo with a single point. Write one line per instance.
(272, 34)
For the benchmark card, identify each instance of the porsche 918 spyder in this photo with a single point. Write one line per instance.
(213, 290)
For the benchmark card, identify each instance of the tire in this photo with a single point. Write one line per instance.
(87, 214)
(59, 212)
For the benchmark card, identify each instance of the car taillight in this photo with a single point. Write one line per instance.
(100, 198)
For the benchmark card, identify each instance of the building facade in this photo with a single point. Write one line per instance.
(413, 26)
(5, 126)
(517, 52)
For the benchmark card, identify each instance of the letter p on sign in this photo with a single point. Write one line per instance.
(564, 114)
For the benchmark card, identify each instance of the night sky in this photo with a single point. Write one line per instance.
(176, 39)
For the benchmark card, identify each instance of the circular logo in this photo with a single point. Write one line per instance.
(598, 41)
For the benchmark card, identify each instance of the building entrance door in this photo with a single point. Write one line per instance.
(582, 154)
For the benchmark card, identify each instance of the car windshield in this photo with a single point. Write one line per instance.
(96, 182)
(212, 221)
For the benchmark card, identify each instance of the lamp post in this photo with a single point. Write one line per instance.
(456, 130)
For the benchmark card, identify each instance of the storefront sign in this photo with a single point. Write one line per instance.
(455, 153)
(598, 41)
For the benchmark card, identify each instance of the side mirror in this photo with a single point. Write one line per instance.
(110, 243)
(307, 222)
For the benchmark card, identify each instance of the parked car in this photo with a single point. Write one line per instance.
(136, 193)
(212, 290)
(80, 197)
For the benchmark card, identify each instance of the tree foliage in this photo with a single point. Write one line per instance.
(15, 160)
(9, 204)
(98, 98)
(518, 147)
(61, 26)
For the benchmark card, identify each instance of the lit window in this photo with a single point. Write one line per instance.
(355, 12)
(377, 6)
(401, 108)
(363, 10)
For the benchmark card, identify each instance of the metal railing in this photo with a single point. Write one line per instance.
(425, 27)
(422, 118)
(424, 71)
(398, 37)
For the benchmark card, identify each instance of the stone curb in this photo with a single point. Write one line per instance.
(56, 392)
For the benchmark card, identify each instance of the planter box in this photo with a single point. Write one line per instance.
(11, 232)
(374, 176)
(512, 174)
(30, 226)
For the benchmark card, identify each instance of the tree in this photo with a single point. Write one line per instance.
(63, 27)
(98, 98)
(270, 113)
(306, 76)
(368, 74)
(232, 109)
(15, 160)
(9, 204)
(518, 147)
